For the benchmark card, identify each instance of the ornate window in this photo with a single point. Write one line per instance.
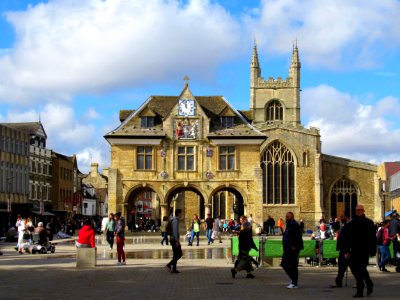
(226, 158)
(278, 175)
(144, 158)
(274, 111)
(186, 158)
(344, 197)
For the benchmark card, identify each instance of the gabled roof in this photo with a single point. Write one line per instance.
(29, 127)
(213, 106)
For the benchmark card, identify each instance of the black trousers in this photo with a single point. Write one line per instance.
(358, 266)
(343, 264)
(290, 264)
(177, 254)
(110, 238)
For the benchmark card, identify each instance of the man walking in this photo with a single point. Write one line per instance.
(110, 230)
(343, 262)
(208, 226)
(174, 241)
(360, 244)
(292, 245)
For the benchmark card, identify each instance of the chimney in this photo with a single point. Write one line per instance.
(94, 169)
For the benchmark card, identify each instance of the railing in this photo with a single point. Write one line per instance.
(272, 248)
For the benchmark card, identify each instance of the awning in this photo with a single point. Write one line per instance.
(45, 213)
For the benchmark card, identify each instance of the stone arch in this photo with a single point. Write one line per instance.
(141, 202)
(344, 195)
(278, 164)
(236, 198)
(185, 196)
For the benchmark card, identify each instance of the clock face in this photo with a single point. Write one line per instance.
(186, 107)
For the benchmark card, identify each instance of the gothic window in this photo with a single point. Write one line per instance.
(226, 158)
(344, 197)
(274, 111)
(146, 122)
(278, 175)
(144, 158)
(186, 158)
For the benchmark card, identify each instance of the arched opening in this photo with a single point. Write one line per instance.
(143, 209)
(344, 198)
(228, 203)
(189, 200)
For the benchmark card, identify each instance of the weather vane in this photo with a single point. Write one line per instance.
(186, 79)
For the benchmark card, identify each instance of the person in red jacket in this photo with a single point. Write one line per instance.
(86, 235)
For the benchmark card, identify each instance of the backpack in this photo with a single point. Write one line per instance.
(169, 229)
(379, 237)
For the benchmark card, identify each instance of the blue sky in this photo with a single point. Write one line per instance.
(76, 63)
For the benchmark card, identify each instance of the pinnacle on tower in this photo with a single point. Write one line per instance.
(295, 55)
(254, 58)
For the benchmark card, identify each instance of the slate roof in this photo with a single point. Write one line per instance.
(29, 127)
(213, 107)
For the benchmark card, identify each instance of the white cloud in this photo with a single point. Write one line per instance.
(350, 128)
(68, 46)
(92, 114)
(89, 155)
(333, 34)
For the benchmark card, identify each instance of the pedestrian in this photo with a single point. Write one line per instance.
(86, 235)
(217, 228)
(383, 241)
(175, 244)
(163, 229)
(120, 234)
(208, 226)
(343, 262)
(394, 233)
(292, 245)
(17, 224)
(280, 225)
(250, 219)
(110, 230)
(195, 232)
(360, 244)
(246, 243)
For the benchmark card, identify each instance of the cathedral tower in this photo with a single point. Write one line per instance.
(275, 100)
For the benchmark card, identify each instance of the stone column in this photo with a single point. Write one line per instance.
(207, 210)
(164, 210)
(318, 198)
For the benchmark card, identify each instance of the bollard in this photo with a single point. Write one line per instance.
(86, 257)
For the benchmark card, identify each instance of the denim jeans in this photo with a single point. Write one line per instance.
(208, 234)
(164, 238)
(385, 255)
(194, 234)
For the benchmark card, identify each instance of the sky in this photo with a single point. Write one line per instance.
(74, 64)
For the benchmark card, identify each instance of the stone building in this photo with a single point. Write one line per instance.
(14, 175)
(201, 154)
(100, 184)
(39, 201)
(64, 191)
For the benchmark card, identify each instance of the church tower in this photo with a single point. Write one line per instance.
(275, 100)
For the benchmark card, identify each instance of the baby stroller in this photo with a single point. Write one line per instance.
(41, 247)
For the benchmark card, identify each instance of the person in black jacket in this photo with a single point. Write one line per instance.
(246, 243)
(292, 245)
(359, 245)
(343, 262)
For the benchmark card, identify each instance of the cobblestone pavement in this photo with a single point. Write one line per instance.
(54, 276)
